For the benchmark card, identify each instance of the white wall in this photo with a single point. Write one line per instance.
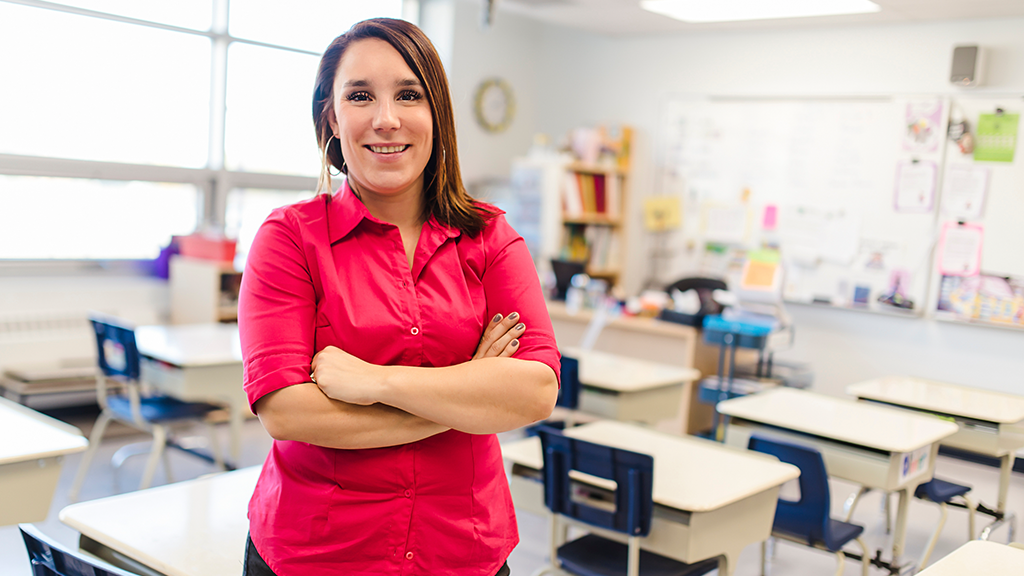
(586, 79)
(510, 49)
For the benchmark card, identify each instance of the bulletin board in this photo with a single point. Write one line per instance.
(846, 189)
(979, 264)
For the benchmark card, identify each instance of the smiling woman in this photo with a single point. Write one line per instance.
(384, 332)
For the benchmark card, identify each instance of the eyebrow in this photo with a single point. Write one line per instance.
(365, 83)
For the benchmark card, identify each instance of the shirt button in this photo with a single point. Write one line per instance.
(408, 555)
(408, 493)
(405, 284)
(415, 330)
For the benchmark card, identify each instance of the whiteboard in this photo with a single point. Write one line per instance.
(815, 177)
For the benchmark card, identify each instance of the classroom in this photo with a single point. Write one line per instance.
(855, 181)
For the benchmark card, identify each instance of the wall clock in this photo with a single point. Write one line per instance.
(494, 105)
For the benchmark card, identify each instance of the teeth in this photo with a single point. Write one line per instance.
(387, 149)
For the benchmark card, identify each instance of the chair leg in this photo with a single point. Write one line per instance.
(633, 557)
(840, 563)
(865, 561)
(972, 507)
(852, 500)
(767, 552)
(167, 464)
(94, 443)
(159, 442)
(935, 536)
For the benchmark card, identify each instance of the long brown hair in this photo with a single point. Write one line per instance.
(445, 195)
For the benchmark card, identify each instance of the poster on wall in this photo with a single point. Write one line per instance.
(963, 194)
(997, 137)
(923, 121)
(960, 249)
(915, 186)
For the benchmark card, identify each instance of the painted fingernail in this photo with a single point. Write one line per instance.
(497, 318)
(513, 316)
(520, 326)
(515, 343)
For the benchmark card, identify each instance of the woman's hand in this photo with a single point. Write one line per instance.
(501, 337)
(344, 377)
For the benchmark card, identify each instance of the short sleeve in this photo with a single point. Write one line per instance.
(511, 284)
(276, 308)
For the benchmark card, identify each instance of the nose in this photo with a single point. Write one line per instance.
(386, 117)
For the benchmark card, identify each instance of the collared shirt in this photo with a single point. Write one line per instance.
(324, 272)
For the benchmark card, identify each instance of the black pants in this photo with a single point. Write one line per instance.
(254, 565)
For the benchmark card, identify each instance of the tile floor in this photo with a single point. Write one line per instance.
(531, 554)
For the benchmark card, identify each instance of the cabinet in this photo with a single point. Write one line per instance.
(203, 291)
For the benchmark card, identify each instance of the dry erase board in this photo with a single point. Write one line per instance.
(979, 263)
(846, 188)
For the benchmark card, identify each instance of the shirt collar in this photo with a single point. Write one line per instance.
(346, 212)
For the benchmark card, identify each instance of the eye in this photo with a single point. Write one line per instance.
(358, 97)
(410, 95)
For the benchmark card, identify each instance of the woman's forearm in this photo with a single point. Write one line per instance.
(483, 396)
(303, 413)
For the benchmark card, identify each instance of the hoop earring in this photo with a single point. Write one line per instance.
(326, 159)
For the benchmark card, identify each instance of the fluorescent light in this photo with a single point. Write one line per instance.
(732, 10)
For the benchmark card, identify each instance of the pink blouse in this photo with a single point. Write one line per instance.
(325, 272)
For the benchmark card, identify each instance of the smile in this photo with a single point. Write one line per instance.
(387, 149)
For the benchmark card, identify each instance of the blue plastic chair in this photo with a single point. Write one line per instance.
(626, 510)
(48, 558)
(943, 493)
(808, 520)
(153, 413)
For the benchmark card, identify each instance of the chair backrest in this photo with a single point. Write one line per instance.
(569, 393)
(808, 516)
(48, 558)
(115, 348)
(630, 508)
(704, 288)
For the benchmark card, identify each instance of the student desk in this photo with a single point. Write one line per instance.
(199, 362)
(192, 528)
(623, 388)
(979, 557)
(710, 500)
(991, 423)
(877, 447)
(32, 450)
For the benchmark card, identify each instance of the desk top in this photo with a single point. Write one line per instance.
(190, 345)
(979, 557)
(943, 398)
(690, 473)
(846, 420)
(26, 435)
(624, 374)
(192, 528)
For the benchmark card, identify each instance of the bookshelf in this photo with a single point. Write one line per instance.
(593, 216)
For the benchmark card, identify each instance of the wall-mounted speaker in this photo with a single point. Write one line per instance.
(967, 65)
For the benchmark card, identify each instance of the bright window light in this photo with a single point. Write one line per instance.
(700, 11)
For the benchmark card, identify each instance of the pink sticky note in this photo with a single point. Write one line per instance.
(770, 216)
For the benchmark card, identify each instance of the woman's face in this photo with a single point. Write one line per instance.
(382, 119)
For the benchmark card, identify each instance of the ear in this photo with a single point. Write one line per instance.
(332, 120)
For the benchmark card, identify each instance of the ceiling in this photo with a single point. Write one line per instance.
(625, 17)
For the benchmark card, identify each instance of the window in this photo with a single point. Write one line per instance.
(125, 122)
(63, 218)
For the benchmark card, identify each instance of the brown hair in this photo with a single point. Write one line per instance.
(445, 196)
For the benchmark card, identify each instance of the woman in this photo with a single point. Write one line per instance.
(384, 335)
